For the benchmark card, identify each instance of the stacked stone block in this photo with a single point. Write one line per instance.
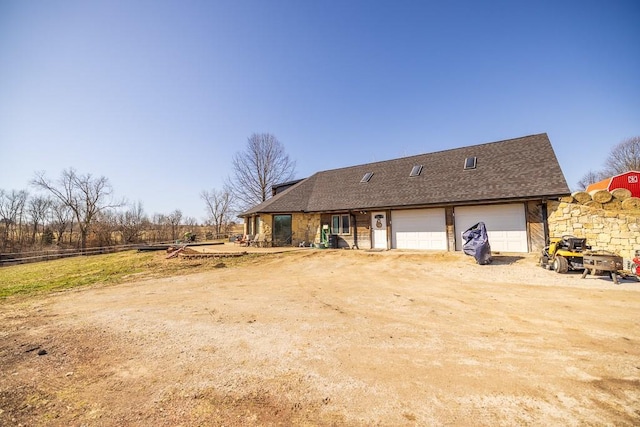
(609, 223)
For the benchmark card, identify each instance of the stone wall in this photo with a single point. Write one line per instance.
(616, 231)
(264, 224)
(306, 229)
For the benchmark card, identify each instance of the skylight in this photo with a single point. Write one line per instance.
(470, 163)
(415, 171)
(367, 176)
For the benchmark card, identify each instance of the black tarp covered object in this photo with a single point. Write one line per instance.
(476, 243)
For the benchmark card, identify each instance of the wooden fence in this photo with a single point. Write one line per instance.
(47, 255)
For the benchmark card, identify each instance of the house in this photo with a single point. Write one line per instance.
(629, 180)
(422, 202)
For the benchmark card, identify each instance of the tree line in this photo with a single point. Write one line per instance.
(78, 210)
(36, 221)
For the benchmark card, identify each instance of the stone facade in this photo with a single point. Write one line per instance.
(305, 227)
(606, 230)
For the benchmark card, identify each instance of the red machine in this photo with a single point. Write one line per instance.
(636, 261)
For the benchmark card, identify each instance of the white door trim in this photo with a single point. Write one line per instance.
(379, 230)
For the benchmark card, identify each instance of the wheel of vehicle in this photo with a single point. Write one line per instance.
(544, 261)
(560, 265)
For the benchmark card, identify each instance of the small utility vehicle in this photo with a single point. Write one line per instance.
(564, 254)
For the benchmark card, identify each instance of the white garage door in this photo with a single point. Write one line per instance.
(419, 229)
(506, 225)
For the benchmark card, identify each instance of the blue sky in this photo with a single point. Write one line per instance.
(158, 95)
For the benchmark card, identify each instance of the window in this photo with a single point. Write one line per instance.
(416, 170)
(470, 163)
(340, 224)
(282, 230)
(367, 177)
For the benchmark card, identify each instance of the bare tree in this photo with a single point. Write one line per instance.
(38, 208)
(190, 221)
(11, 215)
(62, 217)
(132, 223)
(218, 204)
(103, 228)
(4, 220)
(159, 223)
(262, 164)
(590, 177)
(174, 219)
(85, 195)
(624, 157)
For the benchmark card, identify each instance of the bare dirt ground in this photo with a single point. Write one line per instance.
(329, 338)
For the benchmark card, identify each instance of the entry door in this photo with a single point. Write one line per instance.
(379, 227)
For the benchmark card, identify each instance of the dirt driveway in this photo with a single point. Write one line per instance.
(329, 338)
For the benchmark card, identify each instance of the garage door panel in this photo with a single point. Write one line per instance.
(506, 225)
(424, 240)
(419, 229)
(507, 241)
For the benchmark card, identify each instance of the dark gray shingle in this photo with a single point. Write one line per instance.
(518, 168)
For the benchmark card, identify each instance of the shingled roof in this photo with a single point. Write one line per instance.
(514, 169)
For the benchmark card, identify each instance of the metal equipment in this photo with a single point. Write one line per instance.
(603, 261)
(636, 262)
(564, 254)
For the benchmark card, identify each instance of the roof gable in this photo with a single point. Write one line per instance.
(517, 168)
